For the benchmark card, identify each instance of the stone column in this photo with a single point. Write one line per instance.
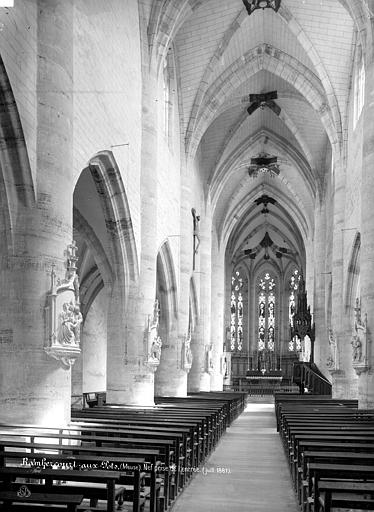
(341, 382)
(199, 378)
(37, 389)
(320, 273)
(217, 315)
(129, 379)
(171, 376)
(366, 378)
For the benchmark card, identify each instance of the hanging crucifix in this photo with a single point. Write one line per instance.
(196, 236)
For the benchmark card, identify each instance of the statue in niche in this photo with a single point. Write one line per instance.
(155, 354)
(63, 315)
(71, 319)
(187, 356)
(154, 340)
(209, 366)
(66, 334)
(359, 335)
(332, 358)
(357, 349)
(224, 366)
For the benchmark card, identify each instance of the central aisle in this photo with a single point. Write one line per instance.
(255, 475)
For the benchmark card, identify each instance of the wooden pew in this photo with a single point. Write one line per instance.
(112, 420)
(107, 479)
(181, 436)
(322, 439)
(327, 446)
(171, 453)
(345, 494)
(99, 439)
(318, 471)
(337, 457)
(200, 421)
(93, 458)
(339, 427)
(285, 401)
(9, 497)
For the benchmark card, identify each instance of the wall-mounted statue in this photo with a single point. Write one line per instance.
(63, 315)
(187, 357)
(226, 367)
(70, 321)
(332, 362)
(154, 342)
(209, 366)
(155, 352)
(359, 341)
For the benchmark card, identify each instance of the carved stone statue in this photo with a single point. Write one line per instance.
(63, 315)
(224, 366)
(359, 340)
(359, 336)
(357, 349)
(71, 319)
(155, 353)
(209, 366)
(154, 343)
(187, 357)
(332, 358)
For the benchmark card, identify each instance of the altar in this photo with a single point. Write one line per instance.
(259, 382)
(258, 376)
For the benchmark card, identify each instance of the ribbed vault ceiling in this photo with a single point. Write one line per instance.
(305, 52)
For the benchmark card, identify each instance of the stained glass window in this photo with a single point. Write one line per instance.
(294, 343)
(236, 327)
(266, 313)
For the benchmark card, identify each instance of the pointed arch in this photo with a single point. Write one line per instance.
(101, 274)
(167, 285)
(353, 272)
(16, 181)
(109, 185)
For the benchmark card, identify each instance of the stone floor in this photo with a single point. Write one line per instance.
(247, 471)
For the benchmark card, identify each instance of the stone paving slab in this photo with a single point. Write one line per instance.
(247, 472)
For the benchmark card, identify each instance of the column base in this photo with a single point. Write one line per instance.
(343, 386)
(366, 390)
(35, 411)
(216, 382)
(35, 391)
(200, 384)
(136, 389)
(173, 384)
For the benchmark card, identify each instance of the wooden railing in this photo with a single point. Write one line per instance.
(310, 379)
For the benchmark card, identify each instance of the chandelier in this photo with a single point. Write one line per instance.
(252, 5)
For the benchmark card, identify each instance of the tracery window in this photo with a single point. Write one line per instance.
(295, 342)
(236, 328)
(266, 313)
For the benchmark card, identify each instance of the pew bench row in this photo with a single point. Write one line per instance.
(113, 453)
(330, 449)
